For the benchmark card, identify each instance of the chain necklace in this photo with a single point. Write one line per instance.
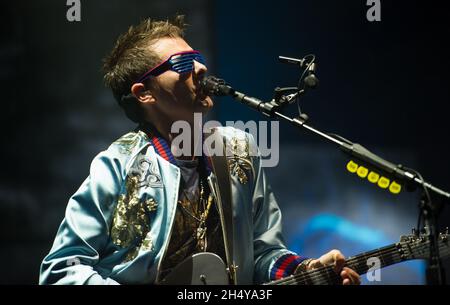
(200, 232)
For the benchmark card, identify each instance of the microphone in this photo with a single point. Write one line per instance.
(311, 80)
(212, 85)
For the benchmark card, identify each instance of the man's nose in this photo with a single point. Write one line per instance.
(199, 69)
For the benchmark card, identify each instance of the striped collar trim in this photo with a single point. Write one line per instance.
(162, 148)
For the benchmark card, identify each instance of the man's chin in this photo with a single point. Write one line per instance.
(204, 105)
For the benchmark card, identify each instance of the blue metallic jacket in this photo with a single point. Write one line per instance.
(118, 223)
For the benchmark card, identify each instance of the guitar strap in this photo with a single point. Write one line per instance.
(221, 188)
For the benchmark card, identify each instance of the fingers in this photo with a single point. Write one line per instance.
(314, 264)
(350, 277)
(334, 257)
(329, 257)
(339, 261)
(355, 278)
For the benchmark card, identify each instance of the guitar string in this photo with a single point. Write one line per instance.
(295, 278)
(326, 272)
(317, 274)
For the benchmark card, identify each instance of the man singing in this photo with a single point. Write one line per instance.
(144, 209)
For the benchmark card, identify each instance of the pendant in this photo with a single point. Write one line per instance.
(201, 232)
(201, 240)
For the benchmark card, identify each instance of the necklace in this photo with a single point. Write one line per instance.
(200, 232)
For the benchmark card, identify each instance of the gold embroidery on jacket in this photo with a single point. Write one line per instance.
(131, 222)
(239, 163)
(128, 142)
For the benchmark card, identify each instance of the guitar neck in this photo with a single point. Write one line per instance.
(410, 247)
(361, 263)
(379, 258)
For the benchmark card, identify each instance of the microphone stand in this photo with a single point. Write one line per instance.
(412, 180)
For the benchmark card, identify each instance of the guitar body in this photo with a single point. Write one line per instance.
(199, 269)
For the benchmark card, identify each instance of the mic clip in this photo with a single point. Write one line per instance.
(280, 99)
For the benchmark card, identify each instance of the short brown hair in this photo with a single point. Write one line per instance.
(131, 57)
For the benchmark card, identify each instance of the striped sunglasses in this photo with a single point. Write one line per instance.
(181, 62)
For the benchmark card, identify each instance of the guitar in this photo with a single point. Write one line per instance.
(209, 269)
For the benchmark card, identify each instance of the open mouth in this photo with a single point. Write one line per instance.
(201, 97)
(199, 94)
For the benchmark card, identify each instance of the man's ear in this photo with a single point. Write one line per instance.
(142, 94)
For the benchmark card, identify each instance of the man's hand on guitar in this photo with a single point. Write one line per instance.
(337, 259)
